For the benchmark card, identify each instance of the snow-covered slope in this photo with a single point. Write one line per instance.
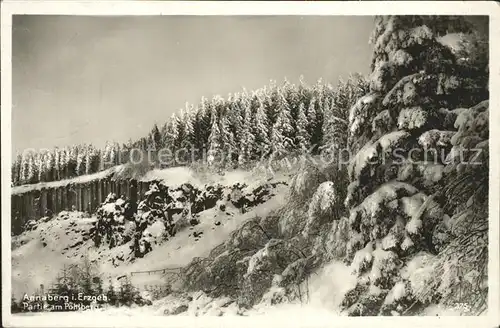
(39, 255)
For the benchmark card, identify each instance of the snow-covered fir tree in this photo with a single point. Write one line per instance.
(71, 159)
(312, 118)
(214, 141)
(202, 126)
(303, 136)
(181, 128)
(116, 154)
(261, 131)
(107, 155)
(336, 114)
(189, 140)
(62, 163)
(41, 167)
(16, 170)
(90, 157)
(24, 167)
(398, 211)
(155, 138)
(172, 135)
(282, 131)
(31, 174)
(315, 114)
(37, 159)
(229, 150)
(49, 166)
(247, 141)
(236, 117)
(57, 164)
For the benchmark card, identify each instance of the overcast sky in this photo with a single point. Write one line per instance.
(92, 79)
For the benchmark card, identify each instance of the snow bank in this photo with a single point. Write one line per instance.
(62, 183)
(177, 176)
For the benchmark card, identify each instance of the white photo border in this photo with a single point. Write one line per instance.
(320, 8)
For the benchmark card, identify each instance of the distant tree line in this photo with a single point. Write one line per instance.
(277, 119)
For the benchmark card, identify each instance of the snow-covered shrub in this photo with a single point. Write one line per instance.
(292, 221)
(294, 273)
(31, 225)
(250, 236)
(316, 198)
(154, 221)
(270, 224)
(305, 183)
(128, 294)
(269, 261)
(223, 274)
(322, 208)
(275, 295)
(196, 274)
(207, 198)
(337, 237)
(243, 267)
(112, 227)
(354, 194)
(289, 284)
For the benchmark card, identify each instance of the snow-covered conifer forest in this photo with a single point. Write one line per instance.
(395, 222)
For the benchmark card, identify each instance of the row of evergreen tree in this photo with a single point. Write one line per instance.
(244, 127)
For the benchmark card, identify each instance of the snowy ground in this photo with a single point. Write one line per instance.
(37, 256)
(176, 176)
(326, 290)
